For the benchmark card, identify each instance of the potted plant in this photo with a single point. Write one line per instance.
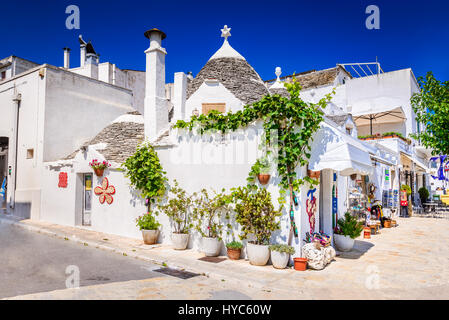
(234, 249)
(178, 210)
(208, 214)
(149, 226)
(423, 194)
(99, 166)
(256, 214)
(146, 175)
(348, 228)
(313, 174)
(280, 254)
(262, 170)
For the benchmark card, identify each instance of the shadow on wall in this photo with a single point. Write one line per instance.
(21, 210)
(359, 249)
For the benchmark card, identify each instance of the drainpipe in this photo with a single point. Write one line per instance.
(14, 147)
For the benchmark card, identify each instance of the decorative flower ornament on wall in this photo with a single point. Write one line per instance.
(105, 192)
(311, 209)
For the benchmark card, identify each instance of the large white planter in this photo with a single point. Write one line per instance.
(180, 240)
(150, 236)
(211, 246)
(258, 254)
(279, 259)
(343, 243)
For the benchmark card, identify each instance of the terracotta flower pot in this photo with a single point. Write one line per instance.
(263, 178)
(387, 223)
(234, 254)
(300, 264)
(367, 233)
(150, 236)
(99, 172)
(313, 174)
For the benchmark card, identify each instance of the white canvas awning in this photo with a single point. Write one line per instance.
(333, 149)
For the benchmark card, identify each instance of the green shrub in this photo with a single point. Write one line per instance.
(178, 209)
(349, 226)
(146, 174)
(234, 245)
(423, 194)
(209, 212)
(147, 222)
(255, 213)
(282, 248)
(406, 188)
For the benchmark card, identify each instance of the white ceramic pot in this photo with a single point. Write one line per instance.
(180, 240)
(258, 254)
(279, 259)
(211, 246)
(150, 236)
(343, 243)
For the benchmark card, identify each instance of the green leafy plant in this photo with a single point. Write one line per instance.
(255, 213)
(145, 172)
(423, 194)
(262, 166)
(209, 211)
(147, 222)
(431, 106)
(293, 121)
(178, 209)
(349, 226)
(234, 245)
(282, 248)
(405, 187)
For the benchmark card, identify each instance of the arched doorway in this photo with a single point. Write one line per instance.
(4, 144)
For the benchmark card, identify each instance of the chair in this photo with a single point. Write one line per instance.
(417, 205)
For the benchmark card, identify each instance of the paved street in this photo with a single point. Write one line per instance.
(31, 262)
(406, 262)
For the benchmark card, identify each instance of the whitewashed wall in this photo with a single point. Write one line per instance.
(212, 92)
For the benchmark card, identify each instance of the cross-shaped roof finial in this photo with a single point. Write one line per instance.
(225, 32)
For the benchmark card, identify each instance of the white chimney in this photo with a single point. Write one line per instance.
(67, 58)
(179, 96)
(82, 55)
(155, 104)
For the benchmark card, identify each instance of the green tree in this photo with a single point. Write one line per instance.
(145, 172)
(431, 106)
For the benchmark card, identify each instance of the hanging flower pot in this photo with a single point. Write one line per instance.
(263, 178)
(313, 174)
(99, 172)
(300, 264)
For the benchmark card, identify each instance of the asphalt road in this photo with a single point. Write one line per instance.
(31, 262)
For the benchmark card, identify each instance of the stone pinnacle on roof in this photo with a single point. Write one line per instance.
(278, 84)
(226, 51)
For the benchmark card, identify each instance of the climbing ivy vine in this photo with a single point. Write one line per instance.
(294, 120)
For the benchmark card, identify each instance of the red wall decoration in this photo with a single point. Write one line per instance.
(62, 180)
(105, 192)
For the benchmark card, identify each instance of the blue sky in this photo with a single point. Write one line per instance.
(295, 35)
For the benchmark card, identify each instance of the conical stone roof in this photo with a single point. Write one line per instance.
(232, 70)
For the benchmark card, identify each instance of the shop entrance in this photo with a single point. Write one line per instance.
(87, 199)
(4, 143)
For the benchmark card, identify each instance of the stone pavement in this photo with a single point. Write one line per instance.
(406, 262)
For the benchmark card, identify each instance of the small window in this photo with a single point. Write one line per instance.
(349, 130)
(3, 75)
(207, 107)
(30, 153)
